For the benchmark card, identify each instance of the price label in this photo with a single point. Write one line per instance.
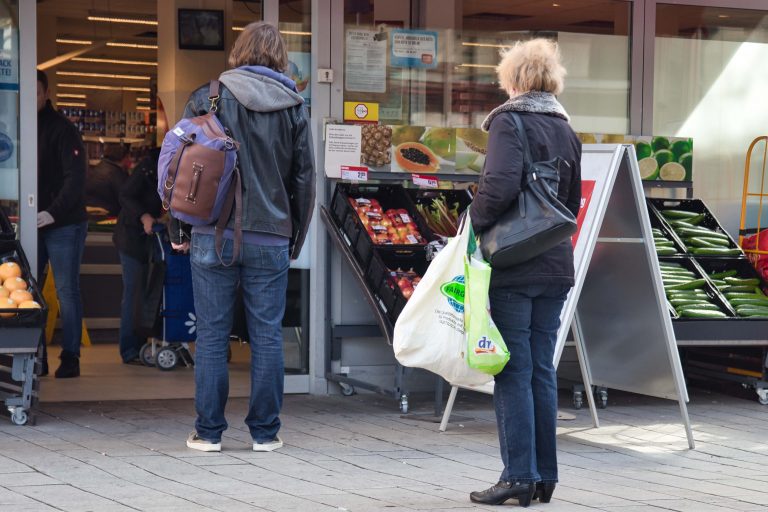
(425, 181)
(405, 218)
(354, 173)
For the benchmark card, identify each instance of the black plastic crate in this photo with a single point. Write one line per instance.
(381, 280)
(658, 222)
(708, 288)
(697, 206)
(389, 197)
(10, 250)
(744, 269)
(425, 197)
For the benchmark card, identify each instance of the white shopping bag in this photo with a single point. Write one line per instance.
(429, 333)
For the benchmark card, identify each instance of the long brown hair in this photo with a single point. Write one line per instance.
(260, 44)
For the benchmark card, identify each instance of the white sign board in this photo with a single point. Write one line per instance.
(343, 143)
(365, 68)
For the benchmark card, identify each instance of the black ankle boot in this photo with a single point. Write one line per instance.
(70, 366)
(544, 491)
(502, 491)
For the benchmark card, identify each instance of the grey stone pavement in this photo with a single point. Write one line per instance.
(359, 454)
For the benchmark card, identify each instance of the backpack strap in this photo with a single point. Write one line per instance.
(232, 200)
(213, 95)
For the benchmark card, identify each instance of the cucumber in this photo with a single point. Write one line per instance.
(742, 301)
(701, 241)
(687, 293)
(657, 232)
(681, 224)
(689, 302)
(750, 307)
(665, 243)
(690, 285)
(718, 283)
(702, 313)
(669, 264)
(735, 281)
(716, 251)
(665, 251)
(678, 214)
(701, 232)
(697, 219)
(724, 274)
(708, 306)
(732, 289)
(744, 295)
(754, 314)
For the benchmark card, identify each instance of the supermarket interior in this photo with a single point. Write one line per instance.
(677, 83)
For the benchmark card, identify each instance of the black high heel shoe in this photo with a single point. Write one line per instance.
(544, 491)
(502, 491)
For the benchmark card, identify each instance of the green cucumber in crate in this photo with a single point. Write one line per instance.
(702, 313)
(724, 274)
(686, 294)
(716, 251)
(738, 281)
(666, 251)
(688, 301)
(690, 285)
(698, 241)
(705, 306)
(701, 232)
(743, 301)
(678, 214)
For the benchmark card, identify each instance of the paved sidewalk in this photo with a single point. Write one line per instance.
(359, 454)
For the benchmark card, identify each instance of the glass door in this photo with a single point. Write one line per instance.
(9, 109)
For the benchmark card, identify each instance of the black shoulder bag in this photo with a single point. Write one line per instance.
(537, 221)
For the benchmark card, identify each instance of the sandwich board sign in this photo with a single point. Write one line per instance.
(623, 340)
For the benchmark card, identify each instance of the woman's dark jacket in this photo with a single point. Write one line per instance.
(138, 196)
(61, 166)
(267, 117)
(103, 185)
(549, 135)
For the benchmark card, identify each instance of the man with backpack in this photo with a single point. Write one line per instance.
(274, 179)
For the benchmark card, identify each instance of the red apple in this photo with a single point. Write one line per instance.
(407, 292)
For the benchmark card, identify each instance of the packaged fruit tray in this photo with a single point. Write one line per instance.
(699, 232)
(690, 294)
(18, 289)
(441, 209)
(739, 285)
(393, 277)
(381, 217)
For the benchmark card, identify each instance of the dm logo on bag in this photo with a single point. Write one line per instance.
(454, 292)
(484, 346)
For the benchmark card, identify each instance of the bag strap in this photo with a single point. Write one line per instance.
(213, 95)
(232, 200)
(531, 172)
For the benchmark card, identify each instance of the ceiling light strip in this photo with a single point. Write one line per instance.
(74, 41)
(117, 19)
(487, 45)
(103, 75)
(70, 104)
(286, 32)
(115, 61)
(71, 95)
(142, 107)
(143, 100)
(104, 87)
(490, 66)
(133, 45)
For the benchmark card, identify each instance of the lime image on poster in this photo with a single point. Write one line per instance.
(300, 70)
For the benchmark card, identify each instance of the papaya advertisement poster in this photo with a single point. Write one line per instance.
(659, 158)
(423, 149)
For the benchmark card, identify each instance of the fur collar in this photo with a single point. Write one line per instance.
(532, 101)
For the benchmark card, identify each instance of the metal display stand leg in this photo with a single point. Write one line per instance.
(581, 355)
(448, 408)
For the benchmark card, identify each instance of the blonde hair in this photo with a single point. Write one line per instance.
(259, 44)
(532, 65)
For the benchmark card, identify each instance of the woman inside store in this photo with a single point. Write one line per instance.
(265, 114)
(526, 299)
(140, 209)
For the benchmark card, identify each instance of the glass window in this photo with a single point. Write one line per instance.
(709, 84)
(9, 109)
(295, 24)
(457, 86)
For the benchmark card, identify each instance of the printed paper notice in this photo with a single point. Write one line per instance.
(366, 61)
(414, 49)
(342, 147)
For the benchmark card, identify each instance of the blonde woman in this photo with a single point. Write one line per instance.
(526, 299)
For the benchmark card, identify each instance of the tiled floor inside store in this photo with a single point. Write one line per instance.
(359, 454)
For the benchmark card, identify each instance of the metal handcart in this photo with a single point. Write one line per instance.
(21, 338)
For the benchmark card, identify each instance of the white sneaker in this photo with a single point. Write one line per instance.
(268, 446)
(197, 443)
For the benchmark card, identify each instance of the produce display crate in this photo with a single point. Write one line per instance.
(714, 296)
(390, 197)
(657, 206)
(21, 334)
(658, 222)
(425, 197)
(384, 285)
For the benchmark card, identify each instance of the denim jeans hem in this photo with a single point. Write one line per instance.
(548, 481)
(214, 441)
(526, 480)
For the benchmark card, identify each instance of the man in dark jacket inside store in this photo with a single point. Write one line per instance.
(105, 180)
(61, 219)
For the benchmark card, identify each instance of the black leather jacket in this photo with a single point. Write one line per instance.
(275, 156)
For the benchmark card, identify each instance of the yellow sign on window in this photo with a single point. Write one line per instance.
(361, 111)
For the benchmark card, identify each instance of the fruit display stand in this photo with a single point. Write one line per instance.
(716, 298)
(21, 334)
(387, 261)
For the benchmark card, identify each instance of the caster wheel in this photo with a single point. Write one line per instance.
(145, 355)
(404, 404)
(601, 397)
(762, 396)
(347, 389)
(166, 359)
(578, 400)
(19, 417)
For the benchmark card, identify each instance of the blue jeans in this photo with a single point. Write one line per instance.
(63, 247)
(525, 393)
(132, 272)
(262, 273)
